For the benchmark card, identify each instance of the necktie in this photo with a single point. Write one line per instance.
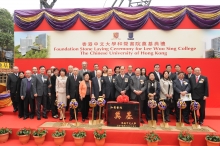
(75, 78)
(110, 79)
(42, 78)
(122, 76)
(188, 75)
(99, 82)
(197, 79)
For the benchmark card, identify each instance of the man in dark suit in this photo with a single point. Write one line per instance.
(109, 87)
(172, 76)
(181, 86)
(70, 71)
(53, 93)
(177, 70)
(84, 69)
(200, 92)
(26, 94)
(121, 83)
(72, 91)
(138, 86)
(97, 88)
(157, 74)
(41, 90)
(189, 74)
(11, 87)
(93, 73)
(130, 73)
(34, 71)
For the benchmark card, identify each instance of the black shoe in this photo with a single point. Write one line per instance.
(31, 117)
(38, 118)
(45, 117)
(94, 118)
(20, 116)
(200, 123)
(177, 120)
(71, 118)
(83, 120)
(187, 122)
(15, 110)
(25, 118)
(142, 121)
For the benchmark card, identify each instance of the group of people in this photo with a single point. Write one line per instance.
(31, 90)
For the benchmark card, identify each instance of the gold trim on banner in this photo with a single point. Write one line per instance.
(32, 18)
(95, 18)
(167, 15)
(61, 18)
(131, 17)
(205, 15)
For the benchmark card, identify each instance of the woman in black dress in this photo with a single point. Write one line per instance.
(20, 101)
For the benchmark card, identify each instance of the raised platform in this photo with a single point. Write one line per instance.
(115, 136)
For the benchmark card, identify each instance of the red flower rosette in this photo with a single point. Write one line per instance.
(122, 99)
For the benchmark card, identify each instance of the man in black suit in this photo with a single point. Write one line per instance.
(138, 86)
(97, 88)
(34, 71)
(109, 87)
(41, 90)
(93, 73)
(121, 83)
(11, 87)
(169, 69)
(200, 92)
(189, 74)
(70, 71)
(53, 93)
(72, 91)
(130, 73)
(26, 94)
(177, 70)
(181, 86)
(157, 74)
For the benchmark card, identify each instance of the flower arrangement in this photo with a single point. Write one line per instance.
(152, 103)
(101, 102)
(122, 99)
(59, 133)
(100, 134)
(73, 104)
(60, 105)
(79, 133)
(162, 105)
(213, 137)
(181, 104)
(195, 106)
(185, 136)
(92, 102)
(24, 131)
(5, 130)
(39, 132)
(152, 137)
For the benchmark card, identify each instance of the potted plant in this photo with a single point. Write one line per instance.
(79, 136)
(152, 138)
(99, 135)
(212, 139)
(4, 134)
(24, 135)
(39, 136)
(185, 138)
(58, 136)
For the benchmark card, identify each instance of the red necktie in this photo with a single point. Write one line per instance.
(197, 79)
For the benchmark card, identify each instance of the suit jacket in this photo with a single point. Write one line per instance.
(179, 88)
(172, 76)
(138, 84)
(68, 74)
(95, 86)
(109, 87)
(156, 76)
(53, 84)
(175, 76)
(199, 89)
(186, 76)
(121, 84)
(132, 74)
(81, 73)
(12, 82)
(72, 86)
(92, 75)
(41, 87)
(23, 88)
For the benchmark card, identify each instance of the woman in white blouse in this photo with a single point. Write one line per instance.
(166, 93)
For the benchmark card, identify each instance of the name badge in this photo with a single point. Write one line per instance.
(142, 82)
(200, 81)
(126, 79)
(113, 80)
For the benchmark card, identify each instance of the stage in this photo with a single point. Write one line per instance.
(115, 135)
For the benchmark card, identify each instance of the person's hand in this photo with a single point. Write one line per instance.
(103, 95)
(35, 95)
(93, 96)
(205, 97)
(167, 95)
(50, 86)
(22, 97)
(49, 94)
(154, 94)
(135, 91)
(139, 92)
(8, 91)
(68, 97)
(122, 92)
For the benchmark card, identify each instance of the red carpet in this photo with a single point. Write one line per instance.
(114, 137)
